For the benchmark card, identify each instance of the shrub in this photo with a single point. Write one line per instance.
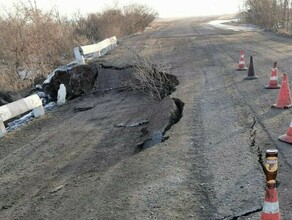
(151, 76)
(269, 14)
(138, 17)
(114, 22)
(33, 42)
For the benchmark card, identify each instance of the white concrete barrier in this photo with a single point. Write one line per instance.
(18, 107)
(94, 49)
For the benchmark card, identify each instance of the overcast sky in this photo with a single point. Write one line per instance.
(165, 8)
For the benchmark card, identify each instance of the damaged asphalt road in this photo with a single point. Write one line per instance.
(78, 165)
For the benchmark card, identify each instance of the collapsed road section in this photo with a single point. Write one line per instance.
(78, 143)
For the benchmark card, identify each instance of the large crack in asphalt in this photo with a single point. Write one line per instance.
(159, 136)
(114, 78)
(176, 115)
(255, 148)
(259, 122)
(247, 214)
(167, 88)
(105, 66)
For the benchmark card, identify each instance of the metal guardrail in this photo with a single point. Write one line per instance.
(94, 49)
(18, 107)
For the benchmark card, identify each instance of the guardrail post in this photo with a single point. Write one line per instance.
(2, 129)
(79, 57)
(95, 50)
(38, 111)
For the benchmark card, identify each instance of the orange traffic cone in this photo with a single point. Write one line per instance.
(250, 74)
(271, 209)
(273, 83)
(287, 137)
(284, 97)
(241, 65)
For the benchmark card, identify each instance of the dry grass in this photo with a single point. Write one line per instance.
(33, 42)
(114, 21)
(150, 76)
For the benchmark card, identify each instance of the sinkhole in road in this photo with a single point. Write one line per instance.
(153, 82)
(150, 79)
(160, 136)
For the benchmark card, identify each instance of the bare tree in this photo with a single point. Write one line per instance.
(269, 14)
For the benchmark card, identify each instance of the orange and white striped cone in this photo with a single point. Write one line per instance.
(273, 83)
(287, 137)
(284, 96)
(241, 65)
(271, 210)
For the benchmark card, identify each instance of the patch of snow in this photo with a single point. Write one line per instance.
(243, 27)
(30, 116)
(38, 86)
(19, 122)
(26, 118)
(42, 94)
(49, 77)
(25, 74)
(63, 68)
(49, 106)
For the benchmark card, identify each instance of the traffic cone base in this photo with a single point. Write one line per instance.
(273, 87)
(271, 210)
(286, 138)
(241, 69)
(250, 74)
(269, 216)
(281, 106)
(251, 77)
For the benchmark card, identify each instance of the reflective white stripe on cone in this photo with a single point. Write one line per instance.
(288, 136)
(271, 209)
